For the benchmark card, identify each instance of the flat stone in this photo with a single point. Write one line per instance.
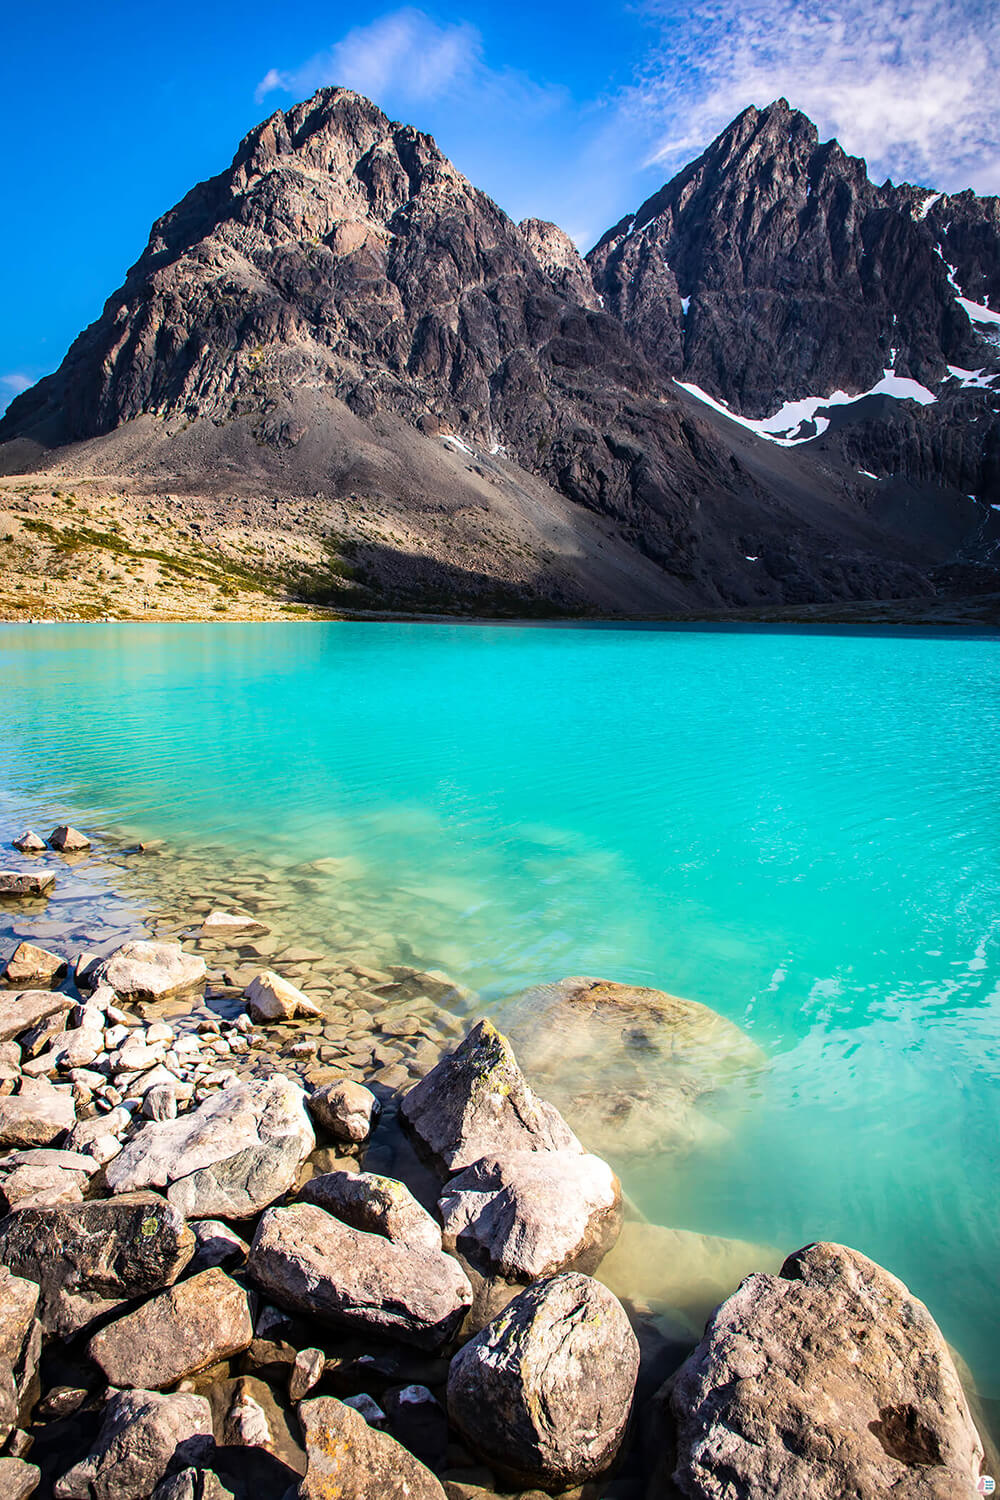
(19, 1013)
(231, 1156)
(533, 1213)
(195, 1323)
(350, 1460)
(271, 998)
(29, 843)
(225, 924)
(142, 1436)
(829, 1379)
(90, 1257)
(31, 966)
(344, 1109)
(377, 1205)
(68, 840)
(39, 1179)
(37, 1115)
(18, 885)
(543, 1394)
(150, 970)
(309, 1262)
(477, 1102)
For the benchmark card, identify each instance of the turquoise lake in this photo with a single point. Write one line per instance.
(799, 828)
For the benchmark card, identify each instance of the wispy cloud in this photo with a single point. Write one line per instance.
(908, 84)
(14, 383)
(403, 58)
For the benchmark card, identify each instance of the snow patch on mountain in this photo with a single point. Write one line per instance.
(973, 380)
(785, 426)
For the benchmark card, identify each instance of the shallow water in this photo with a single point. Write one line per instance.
(798, 828)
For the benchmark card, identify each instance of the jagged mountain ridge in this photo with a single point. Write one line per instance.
(342, 272)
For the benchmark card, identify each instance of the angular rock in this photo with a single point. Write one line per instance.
(37, 1115)
(18, 1479)
(68, 840)
(346, 1110)
(38, 1179)
(77, 1048)
(160, 1102)
(18, 885)
(218, 1245)
(349, 1460)
(544, 1392)
(271, 998)
(196, 1323)
(20, 1347)
(29, 843)
(143, 1437)
(305, 1372)
(88, 1258)
(533, 1213)
(477, 1102)
(32, 966)
(18, 1013)
(309, 1262)
(829, 1379)
(232, 1156)
(377, 1205)
(149, 971)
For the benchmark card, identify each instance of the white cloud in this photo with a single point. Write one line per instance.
(404, 55)
(15, 383)
(908, 84)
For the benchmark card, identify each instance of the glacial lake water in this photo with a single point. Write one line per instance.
(799, 828)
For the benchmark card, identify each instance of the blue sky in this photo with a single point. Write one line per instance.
(573, 112)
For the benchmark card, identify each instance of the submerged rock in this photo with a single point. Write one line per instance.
(632, 1066)
(196, 1323)
(17, 885)
(231, 1156)
(350, 1460)
(377, 1205)
(30, 966)
(309, 1262)
(223, 924)
(544, 1392)
(271, 998)
(88, 1258)
(532, 1213)
(477, 1102)
(826, 1380)
(68, 840)
(149, 971)
(346, 1110)
(143, 1437)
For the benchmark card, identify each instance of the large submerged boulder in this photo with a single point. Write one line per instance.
(230, 1157)
(309, 1262)
(827, 1380)
(476, 1102)
(532, 1213)
(631, 1066)
(544, 1392)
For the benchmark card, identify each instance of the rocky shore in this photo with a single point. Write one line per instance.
(278, 1224)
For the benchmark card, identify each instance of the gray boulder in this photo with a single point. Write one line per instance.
(30, 965)
(824, 1381)
(533, 1213)
(476, 1102)
(68, 840)
(232, 1156)
(37, 1115)
(19, 1013)
(308, 1262)
(346, 1110)
(350, 1460)
(192, 1325)
(149, 971)
(18, 885)
(378, 1205)
(144, 1436)
(544, 1392)
(88, 1258)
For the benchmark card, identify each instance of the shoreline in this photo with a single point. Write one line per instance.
(257, 1012)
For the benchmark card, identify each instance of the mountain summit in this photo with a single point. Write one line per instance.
(341, 315)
